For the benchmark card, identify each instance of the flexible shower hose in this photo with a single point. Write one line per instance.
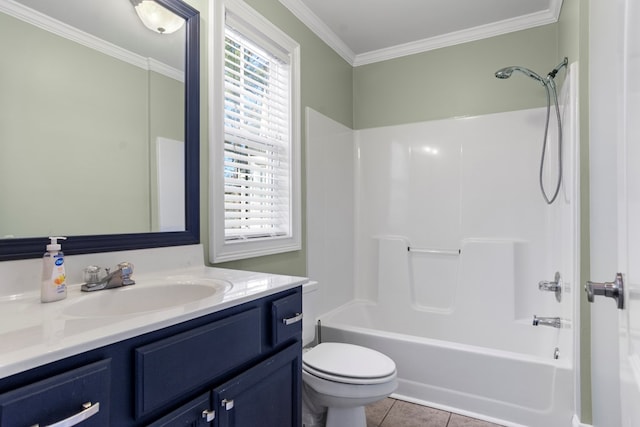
(550, 83)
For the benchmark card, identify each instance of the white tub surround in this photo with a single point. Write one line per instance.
(331, 157)
(473, 304)
(34, 334)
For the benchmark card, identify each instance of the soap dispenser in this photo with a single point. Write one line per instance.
(54, 285)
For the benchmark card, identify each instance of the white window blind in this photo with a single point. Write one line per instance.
(257, 141)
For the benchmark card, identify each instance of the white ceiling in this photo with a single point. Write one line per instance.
(366, 31)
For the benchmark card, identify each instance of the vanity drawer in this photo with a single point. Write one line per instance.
(286, 318)
(60, 397)
(167, 369)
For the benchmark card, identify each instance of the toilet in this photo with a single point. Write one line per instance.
(339, 379)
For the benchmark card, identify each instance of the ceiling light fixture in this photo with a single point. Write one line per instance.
(156, 17)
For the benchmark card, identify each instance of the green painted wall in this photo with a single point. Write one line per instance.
(454, 81)
(326, 86)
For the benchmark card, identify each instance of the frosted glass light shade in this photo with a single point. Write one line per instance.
(157, 18)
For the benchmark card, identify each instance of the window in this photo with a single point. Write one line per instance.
(255, 138)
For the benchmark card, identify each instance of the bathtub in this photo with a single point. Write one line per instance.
(467, 349)
(505, 387)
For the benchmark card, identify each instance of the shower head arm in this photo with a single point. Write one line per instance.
(555, 71)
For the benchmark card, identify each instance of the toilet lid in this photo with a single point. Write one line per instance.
(336, 361)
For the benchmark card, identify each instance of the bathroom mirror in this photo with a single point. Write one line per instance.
(131, 180)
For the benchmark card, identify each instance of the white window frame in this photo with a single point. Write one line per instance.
(260, 28)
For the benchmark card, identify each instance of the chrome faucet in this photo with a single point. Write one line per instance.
(96, 281)
(547, 321)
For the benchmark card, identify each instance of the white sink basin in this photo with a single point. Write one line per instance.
(136, 299)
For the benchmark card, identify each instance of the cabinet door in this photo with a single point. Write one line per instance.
(267, 395)
(77, 396)
(193, 414)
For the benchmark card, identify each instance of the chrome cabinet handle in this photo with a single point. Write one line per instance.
(209, 415)
(291, 320)
(88, 411)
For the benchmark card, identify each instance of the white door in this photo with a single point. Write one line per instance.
(629, 229)
(615, 226)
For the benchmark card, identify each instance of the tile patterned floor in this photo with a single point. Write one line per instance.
(397, 413)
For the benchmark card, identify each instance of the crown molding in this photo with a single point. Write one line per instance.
(164, 69)
(47, 23)
(457, 37)
(319, 28)
(302, 12)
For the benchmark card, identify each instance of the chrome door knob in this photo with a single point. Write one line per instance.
(613, 290)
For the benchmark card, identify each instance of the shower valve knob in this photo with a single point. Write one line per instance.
(552, 286)
(613, 290)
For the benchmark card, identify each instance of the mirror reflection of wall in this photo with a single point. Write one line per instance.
(78, 132)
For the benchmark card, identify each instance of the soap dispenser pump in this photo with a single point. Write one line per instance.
(54, 285)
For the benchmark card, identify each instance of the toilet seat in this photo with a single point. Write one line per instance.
(349, 364)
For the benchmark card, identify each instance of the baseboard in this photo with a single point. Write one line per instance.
(575, 422)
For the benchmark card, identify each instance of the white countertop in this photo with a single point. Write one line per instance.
(34, 334)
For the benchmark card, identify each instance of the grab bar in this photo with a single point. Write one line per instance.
(454, 252)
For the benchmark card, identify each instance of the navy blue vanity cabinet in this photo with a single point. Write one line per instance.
(250, 354)
(265, 391)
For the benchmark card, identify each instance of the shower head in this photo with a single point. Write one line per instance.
(505, 73)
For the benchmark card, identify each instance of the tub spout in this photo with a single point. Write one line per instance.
(554, 322)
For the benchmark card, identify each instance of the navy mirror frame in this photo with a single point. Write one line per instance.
(13, 249)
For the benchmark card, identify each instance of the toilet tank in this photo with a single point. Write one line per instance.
(309, 311)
